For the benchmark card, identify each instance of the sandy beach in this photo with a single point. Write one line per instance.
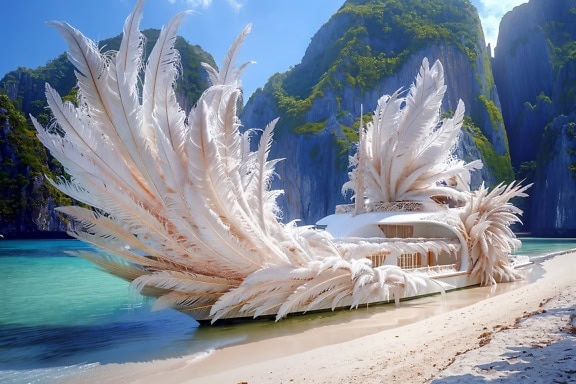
(523, 333)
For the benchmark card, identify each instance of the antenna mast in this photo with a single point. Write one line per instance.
(359, 192)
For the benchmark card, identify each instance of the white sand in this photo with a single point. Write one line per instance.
(444, 347)
(538, 349)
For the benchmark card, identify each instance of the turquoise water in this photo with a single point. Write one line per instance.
(58, 310)
(535, 246)
(60, 314)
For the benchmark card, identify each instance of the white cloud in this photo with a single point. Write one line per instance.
(500, 7)
(490, 24)
(198, 3)
(235, 5)
(491, 12)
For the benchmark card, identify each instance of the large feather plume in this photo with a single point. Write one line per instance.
(183, 207)
(487, 218)
(407, 149)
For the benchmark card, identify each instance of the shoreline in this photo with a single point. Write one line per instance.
(415, 352)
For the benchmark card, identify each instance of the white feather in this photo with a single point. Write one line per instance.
(186, 206)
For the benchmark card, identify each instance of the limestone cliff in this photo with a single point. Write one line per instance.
(535, 72)
(27, 201)
(554, 193)
(365, 50)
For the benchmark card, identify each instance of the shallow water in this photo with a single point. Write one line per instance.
(538, 246)
(60, 315)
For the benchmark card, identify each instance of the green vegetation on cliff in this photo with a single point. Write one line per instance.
(571, 139)
(378, 37)
(493, 111)
(561, 43)
(561, 39)
(499, 165)
(26, 86)
(23, 163)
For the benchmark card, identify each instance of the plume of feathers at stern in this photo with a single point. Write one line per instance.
(487, 218)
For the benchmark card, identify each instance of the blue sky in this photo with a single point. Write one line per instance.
(281, 30)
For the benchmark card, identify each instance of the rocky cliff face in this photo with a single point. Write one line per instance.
(365, 50)
(531, 70)
(535, 72)
(27, 202)
(554, 191)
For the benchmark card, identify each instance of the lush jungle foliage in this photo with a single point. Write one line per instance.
(499, 164)
(23, 164)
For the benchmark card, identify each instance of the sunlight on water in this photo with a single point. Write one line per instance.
(60, 315)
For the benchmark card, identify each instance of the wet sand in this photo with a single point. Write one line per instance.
(417, 342)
